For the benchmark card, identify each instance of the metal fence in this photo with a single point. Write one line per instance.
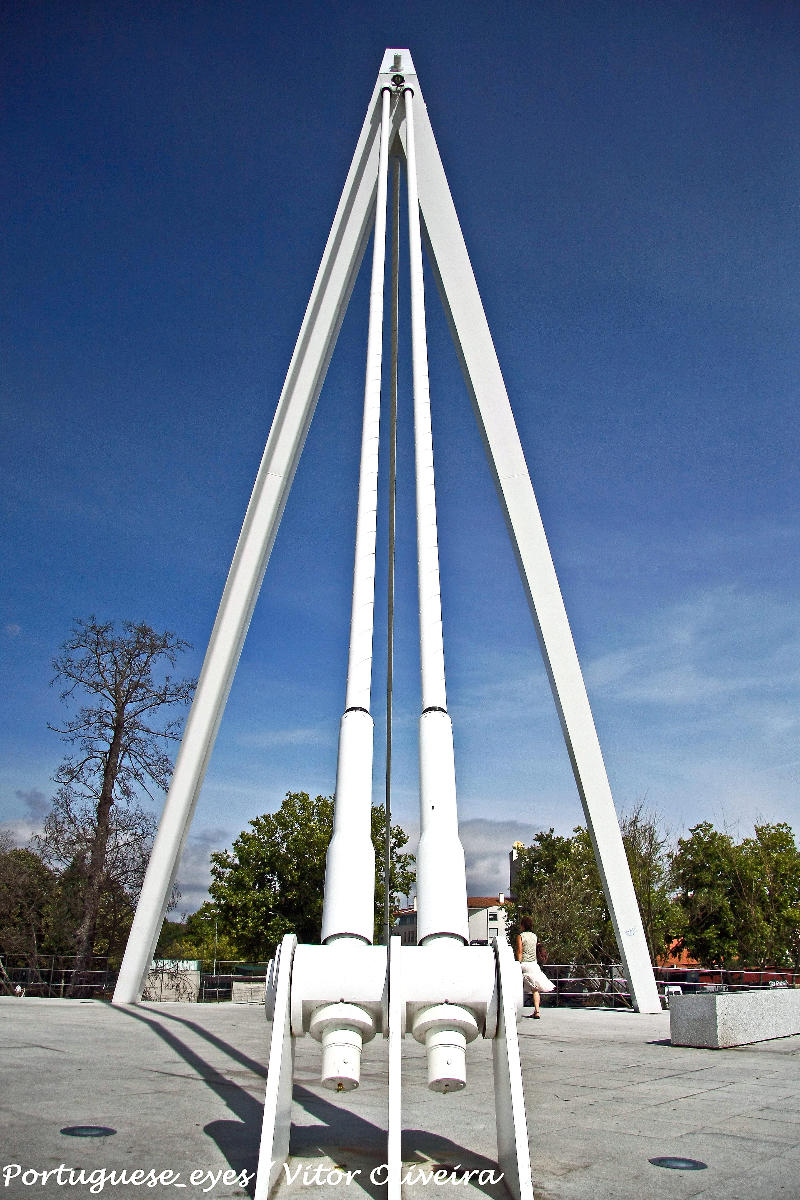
(600, 984)
(50, 975)
(577, 984)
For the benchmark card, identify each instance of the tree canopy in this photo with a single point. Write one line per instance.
(741, 901)
(558, 885)
(271, 882)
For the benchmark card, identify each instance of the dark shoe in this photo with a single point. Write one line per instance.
(537, 1016)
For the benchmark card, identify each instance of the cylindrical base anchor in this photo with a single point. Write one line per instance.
(342, 1029)
(445, 1030)
(447, 1060)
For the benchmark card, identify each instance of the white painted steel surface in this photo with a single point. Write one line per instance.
(513, 1153)
(441, 874)
(473, 341)
(348, 908)
(394, 1153)
(326, 307)
(428, 192)
(430, 603)
(445, 970)
(350, 862)
(359, 663)
(346, 971)
(277, 1120)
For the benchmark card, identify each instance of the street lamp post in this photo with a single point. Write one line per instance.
(207, 917)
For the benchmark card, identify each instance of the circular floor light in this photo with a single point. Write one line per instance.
(679, 1164)
(88, 1130)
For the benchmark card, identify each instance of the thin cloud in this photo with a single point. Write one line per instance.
(194, 870)
(269, 739)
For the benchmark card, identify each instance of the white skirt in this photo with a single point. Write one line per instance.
(538, 981)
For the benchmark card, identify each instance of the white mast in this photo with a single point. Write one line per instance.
(441, 875)
(348, 909)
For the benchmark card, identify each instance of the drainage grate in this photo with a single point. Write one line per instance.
(88, 1130)
(679, 1164)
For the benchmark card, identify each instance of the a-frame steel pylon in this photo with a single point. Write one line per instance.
(329, 299)
(444, 992)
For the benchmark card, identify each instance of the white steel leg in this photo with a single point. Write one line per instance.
(326, 308)
(348, 909)
(487, 390)
(394, 1154)
(513, 1154)
(276, 1127)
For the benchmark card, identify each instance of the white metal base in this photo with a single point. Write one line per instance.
(483, 983)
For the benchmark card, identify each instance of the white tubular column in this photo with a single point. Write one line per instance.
(441, 875)
(348, 909)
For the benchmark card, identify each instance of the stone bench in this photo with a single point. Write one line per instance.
(715, 1020)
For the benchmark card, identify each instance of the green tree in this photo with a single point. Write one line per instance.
(65, 845)
(401, 867)
(558, 885)
(27, 888)
(272, 881)
(767, 887)
(199, 935)
(120, 734)
(741, 901)
(647, 849)
(704, 869)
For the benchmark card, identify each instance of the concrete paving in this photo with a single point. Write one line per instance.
(182, 1085)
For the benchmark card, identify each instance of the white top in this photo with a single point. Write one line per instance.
(529, 941)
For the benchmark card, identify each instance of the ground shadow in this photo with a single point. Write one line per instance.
(353, 1143)
(348, 1140)
(237, 1140)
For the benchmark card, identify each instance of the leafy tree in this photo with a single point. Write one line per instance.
(401, 866)
(65, 843)
(198, 935)
(27, 887)
(649, 858)
(741, 901)
(703, 872)
(767, 884)
(558, 885)
(120, 733)
(272, 881)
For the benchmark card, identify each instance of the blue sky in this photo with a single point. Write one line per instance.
(627, 177)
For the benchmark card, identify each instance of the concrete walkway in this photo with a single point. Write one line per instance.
(183, 1085)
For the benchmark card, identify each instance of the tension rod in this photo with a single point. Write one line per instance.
(395, 291)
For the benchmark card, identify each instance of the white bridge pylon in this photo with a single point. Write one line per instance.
(346, 990)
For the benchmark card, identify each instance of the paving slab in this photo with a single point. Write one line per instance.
(182, 1085)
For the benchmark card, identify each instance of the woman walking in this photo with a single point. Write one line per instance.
(532, 974)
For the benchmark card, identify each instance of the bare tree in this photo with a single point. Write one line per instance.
(120, 736)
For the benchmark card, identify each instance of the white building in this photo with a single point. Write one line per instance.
(487, 919)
